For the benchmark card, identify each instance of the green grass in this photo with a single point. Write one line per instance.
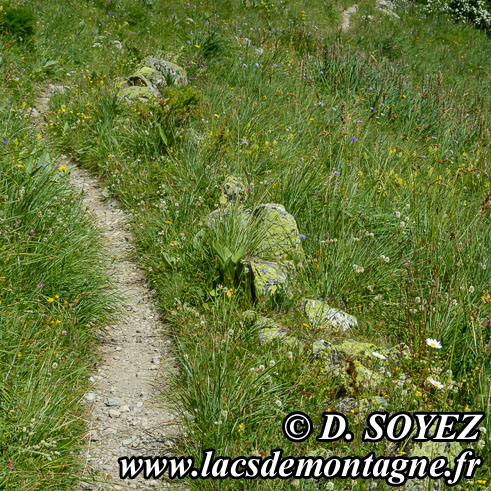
(376, 140)
(52, 292)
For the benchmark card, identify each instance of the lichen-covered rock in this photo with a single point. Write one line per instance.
(350, 347)
(366, 377)
(267, 277)
(318, 346)
(136, 93)
(353, 376)
(431, 449)
(171, 74)
(321, 315)
(387, 8)
(233, 189)
(347, 361)
(268, 329)
(279, 233)
(144, 83)
(267, 335)
(146, 77)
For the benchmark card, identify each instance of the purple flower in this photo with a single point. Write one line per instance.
(245, 142)
(4, 141)
(40, 286)
(301, 236)
(370, 88)
(382, 104)
(357, 121)
(63, 333)
(320, 103)
(275, 65)
(335, 173)
(353, 139)
(372, 108)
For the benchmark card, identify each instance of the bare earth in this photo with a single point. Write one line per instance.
(125, 407)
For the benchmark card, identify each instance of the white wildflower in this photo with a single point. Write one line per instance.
(379, 356)
(433, 343)
(435, 383)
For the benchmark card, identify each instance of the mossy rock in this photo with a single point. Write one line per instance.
(146, 82)
(344, 361)
(270, 330)
(268, 278)
(233, 189)
(431, 449)
(279, 233)
(321, 315)
(135, 93)
(170, 73)
(146, 77)
(355, 348)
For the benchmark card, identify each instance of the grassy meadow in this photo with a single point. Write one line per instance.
(52, 289)
(376, 140)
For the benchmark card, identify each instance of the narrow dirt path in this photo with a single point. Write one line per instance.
(346, 17)
(125, 407)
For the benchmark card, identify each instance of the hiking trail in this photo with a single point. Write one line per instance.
(345, 25)
(125, 407)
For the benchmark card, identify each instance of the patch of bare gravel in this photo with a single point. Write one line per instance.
(346, 17)
(125, 409)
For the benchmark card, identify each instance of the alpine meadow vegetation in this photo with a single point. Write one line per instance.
(375, 139)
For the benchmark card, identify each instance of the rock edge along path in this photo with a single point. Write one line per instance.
(125, 415)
